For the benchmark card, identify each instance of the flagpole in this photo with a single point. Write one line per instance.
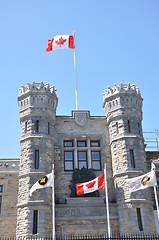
(53, 206)
(107, 203)
(73, 31)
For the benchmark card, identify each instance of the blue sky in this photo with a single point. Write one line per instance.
(116, 41)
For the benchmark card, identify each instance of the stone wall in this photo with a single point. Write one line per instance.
(9, 171)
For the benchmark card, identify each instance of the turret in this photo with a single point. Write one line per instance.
(37, 106)
(123, 108)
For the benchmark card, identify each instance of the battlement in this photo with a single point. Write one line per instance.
(123, 96)
(121, 88)
(37, 96)
(37, 88)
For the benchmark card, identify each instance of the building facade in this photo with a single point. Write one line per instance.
(79, 141)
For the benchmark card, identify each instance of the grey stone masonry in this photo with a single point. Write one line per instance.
(123, 108)
(37, 107)
(9, 171)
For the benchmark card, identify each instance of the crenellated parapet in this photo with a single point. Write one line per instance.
(37, 88)
(39, 96)
(122, 98)
(121, 88)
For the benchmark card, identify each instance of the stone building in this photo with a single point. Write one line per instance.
(79, 141)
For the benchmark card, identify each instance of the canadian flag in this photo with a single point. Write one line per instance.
(60, 42)
(91, 186)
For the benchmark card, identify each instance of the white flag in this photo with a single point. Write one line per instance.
(153, 167)
(142, 182)
(46, 181)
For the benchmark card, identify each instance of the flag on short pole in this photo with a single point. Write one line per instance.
(46, 181)
(60, 42)
(142, 182)
(91, 186)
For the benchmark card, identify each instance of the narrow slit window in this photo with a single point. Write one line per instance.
(1, 188)
(36, 159)
(37, 126)
(139, 219)
(48, 128)
(35, 221)
(129, 129)
(117, 128)
(139, 128)
(132, 158)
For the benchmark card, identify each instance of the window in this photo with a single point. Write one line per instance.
(82, 153)
(68, 143)
(139, 128)
(95, 144)
(35, 221)
(139, 218)
(96, 163)
(68, 160)
(37, 126)
(117, 128)
(26, 126)
(48, 128)
(132, 158)
(0, 203)
(129, 130)
(81, 144)
(82, 159)
(1, 188)
(36, 159)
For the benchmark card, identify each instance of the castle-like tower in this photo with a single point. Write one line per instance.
(37, 106)
(73, 142)
(123, 108)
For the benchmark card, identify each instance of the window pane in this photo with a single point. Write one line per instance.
(81, 144)
(129, 130)
(132, 158)
(96, 165)
(37, 126)
(95, 155)
(82, 156)
(68, 143)
(82, 164)
(68, 166)
(35, 221)
(117, 128)
(36, 159)
(48, 128)
(95, 144)
(1, 188)
(138, 210)
(68, 156)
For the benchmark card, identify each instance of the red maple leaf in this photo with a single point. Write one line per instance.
(91, 184)
(60, 41)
